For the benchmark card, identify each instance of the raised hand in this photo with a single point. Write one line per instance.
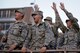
(43, 49)
(24, 49)
(54, 6)
(12, 47)
(62, 6)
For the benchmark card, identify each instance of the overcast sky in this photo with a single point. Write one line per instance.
(45, 6)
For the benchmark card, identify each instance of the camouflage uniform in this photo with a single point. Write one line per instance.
(71, 34)
(60, 40)
(79, 39)
(40, 36)
(54, 27)
(17, 34)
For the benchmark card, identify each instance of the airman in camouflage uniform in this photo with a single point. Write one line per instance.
(70, 34)
(17, 32)
(54, 26)
(41, 35)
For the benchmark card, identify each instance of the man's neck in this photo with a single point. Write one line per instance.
(38, 22)
(70, 27)
(20, 20)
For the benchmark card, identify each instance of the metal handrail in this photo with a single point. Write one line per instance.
(57, 50)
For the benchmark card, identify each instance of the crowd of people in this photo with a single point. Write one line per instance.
(42, 35)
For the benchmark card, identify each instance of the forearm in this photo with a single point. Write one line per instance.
(63, 28)
(65, 11)
(25, 44)
(12, 47)
(56, 14)
(59, 22)
(69, 15)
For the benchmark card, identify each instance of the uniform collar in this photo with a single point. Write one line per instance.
(38, 23)
(17, 21)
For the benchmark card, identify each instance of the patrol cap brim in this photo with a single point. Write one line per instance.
(47, 19)
(68, 20)
(37, 13)
(33, 14)
(72, 20)
(18, 11)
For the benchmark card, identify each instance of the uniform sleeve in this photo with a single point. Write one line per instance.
(59, 23)
(65, 38)
(60, 41)
(63, 28)
(78, 38)
(57, 19)
(49, 36)
(27, 38)
(56, 24)
(25, 44)
(24, 34)
(55, 30)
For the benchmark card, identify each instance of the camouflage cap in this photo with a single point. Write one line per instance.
(76, 20)
(48, 18)
(20, 11)
(68, 20)
(37, 13)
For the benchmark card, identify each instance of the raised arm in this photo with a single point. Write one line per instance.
(70, 16)
(58, 21)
